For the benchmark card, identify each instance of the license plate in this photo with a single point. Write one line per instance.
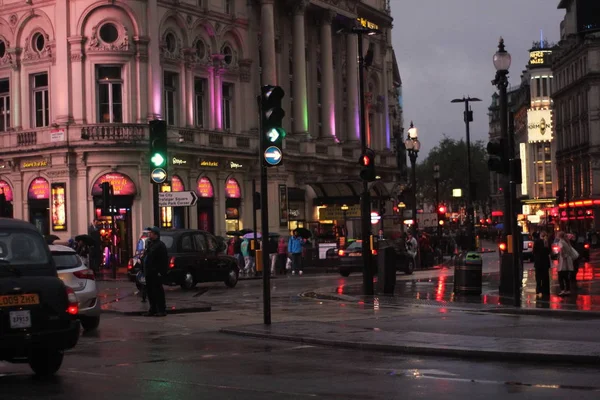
(20, 319)
(355, 254)
(16, 300)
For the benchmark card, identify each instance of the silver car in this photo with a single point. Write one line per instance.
(81, 279)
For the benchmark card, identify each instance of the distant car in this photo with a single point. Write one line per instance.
(527, 246)
(73, 272)
(350, 259)
(38, 312)
(196, 256)
(582, 246)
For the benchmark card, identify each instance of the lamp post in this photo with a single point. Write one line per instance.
(436, 178)
(509, 266)
(468, 117)
(413, 146)
(345, 209)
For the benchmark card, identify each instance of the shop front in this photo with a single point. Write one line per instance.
(115, 229)
(6, 200)
(296, 208)
(173, 217)
(233, 203)
(38, 201)
(206, 204)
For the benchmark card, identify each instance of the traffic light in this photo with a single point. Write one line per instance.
(497, 157)
(158, 144)
(560, 196)
(367, 162)
(441, 213)
(382, 208)
(272, 130)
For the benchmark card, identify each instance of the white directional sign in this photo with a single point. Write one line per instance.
(273, 155)
(177, 199)
(158, 175)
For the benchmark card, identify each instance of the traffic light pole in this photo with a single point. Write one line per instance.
(264, 218)
(365, 198)
(156, 208)
(517, 242)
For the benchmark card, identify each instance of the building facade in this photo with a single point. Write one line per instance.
(576, 96)
(79, 81)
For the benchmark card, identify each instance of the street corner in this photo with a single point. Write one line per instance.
(133, 306)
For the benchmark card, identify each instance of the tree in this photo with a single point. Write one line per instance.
(451, 156)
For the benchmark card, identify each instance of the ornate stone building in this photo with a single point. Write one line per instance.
(79, 81)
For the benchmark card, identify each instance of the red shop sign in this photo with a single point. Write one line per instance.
(122, 185)
(177, 184)
(205, 188)
(39, 189)
(7, 190)
(232, 189)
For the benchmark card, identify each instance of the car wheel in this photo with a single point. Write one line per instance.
(232, 278)
(345, 274)
(90, 323)
(410, 267)
(188, 281)
(46, 362)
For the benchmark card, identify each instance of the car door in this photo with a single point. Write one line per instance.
(200, 255)
(186, 254)
(217, 268)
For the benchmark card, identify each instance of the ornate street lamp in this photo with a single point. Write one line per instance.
(413, 146)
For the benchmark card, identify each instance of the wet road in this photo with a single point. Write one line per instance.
(179, 358)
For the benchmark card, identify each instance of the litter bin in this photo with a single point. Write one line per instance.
(386, 269)
(467, 275)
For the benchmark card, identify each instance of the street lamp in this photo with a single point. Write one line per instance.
(468, 117)
(509, 266)
(413, 146)
(436, 178)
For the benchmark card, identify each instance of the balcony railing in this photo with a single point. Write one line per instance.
(215, 139)
(26, 138)
(116, 132)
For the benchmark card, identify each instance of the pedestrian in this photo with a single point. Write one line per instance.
(579, 248)
(156, 264)
(237, 251)
(541, 264)
(272, 248)
(245, 250)
(282, 254)
(295, 250)
(566, 255)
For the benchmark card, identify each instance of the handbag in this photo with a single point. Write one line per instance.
(574, 254)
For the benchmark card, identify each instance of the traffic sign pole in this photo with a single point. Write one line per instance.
(155, 204)
(264, 217)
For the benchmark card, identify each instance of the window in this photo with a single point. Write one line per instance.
(200, 101)
(110, 94)
(41, 102)
(171, 42)
(227, 106)
(229, 7)
(200, 242)
(200, 49)
(109, 33)
(228, 54)
(4, 105)
(2, 48)
(186, 244)
(38, 42)
(170, 83)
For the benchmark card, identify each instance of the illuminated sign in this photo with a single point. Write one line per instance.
(539, 126)
(539, 57)
(204, 188)
(6, 190)
(232, 189)
(178, 161)
(34, 164)
(122, 185)
(177, 184)
(523, 154)
(39, 189)
(365, 23)
(235, 165)
(209, 163)
(59, 208)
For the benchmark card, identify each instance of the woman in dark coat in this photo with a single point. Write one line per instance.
(541, 263)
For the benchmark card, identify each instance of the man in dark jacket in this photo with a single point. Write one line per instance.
(156, 264)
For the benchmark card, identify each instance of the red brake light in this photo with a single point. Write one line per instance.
(374, 252)
(73, 307)
(85, 274)
(530, 245)
(586, 246)
(502, 246)
(172, 262)
(340, 253)
(130, 264)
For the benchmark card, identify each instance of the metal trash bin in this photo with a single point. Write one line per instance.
(386, 269)
(468, 275)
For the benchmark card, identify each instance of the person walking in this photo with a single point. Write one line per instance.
(156, 264)
(271, 247)
(282, 254)
(541, 264)
(295, 250)
(566, 255)
(237, 251)
(245, 250)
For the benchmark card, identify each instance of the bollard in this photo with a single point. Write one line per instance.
(258, 260)
(386, 271)
(468, 275)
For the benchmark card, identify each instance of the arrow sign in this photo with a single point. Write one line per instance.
(158, 175)
(273, 135)
(177, 199)
(273, 155)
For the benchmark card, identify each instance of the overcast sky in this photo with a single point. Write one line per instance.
(444, 50)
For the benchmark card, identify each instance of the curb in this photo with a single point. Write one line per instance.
(427, 351)
(190, 310)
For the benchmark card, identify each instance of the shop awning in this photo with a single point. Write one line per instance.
(344, 192)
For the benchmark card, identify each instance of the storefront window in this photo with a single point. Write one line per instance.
(205, 205)
(38, 197)
(233, 195)
(6, 198)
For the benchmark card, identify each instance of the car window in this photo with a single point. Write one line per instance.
(200, 242)
(23, 248)
(186, 244)
(213, 246)
(168, 241)
(355, 246)
(66, 260)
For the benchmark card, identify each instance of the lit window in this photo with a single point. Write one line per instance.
(110, 94)
(40, 100)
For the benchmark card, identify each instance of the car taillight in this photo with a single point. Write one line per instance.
(374, 252)
(502, 246)
(341, 253)
(130, 264)
(85, 274)
(172, 262)
(73, 307)
(586, 246)
(555, 248)
(530, 245)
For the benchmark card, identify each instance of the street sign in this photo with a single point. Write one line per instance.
(273, 155)
(158, 175)
(177, 199)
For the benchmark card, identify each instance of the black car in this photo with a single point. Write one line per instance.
(195, 256)
(350, 259)
(38, 313)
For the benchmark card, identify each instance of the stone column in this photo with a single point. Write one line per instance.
(141, 68)
(269, 60)
(15, 109)
(353, 130)
(211, 98)
(327, 82)
(218, 104)
(155, 84)
(183, 88)
(189, 95)
(299, 59)
(386, 94)
(77, 74)
(62, 71)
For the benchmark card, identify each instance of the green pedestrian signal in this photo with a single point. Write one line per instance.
(158, 144)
